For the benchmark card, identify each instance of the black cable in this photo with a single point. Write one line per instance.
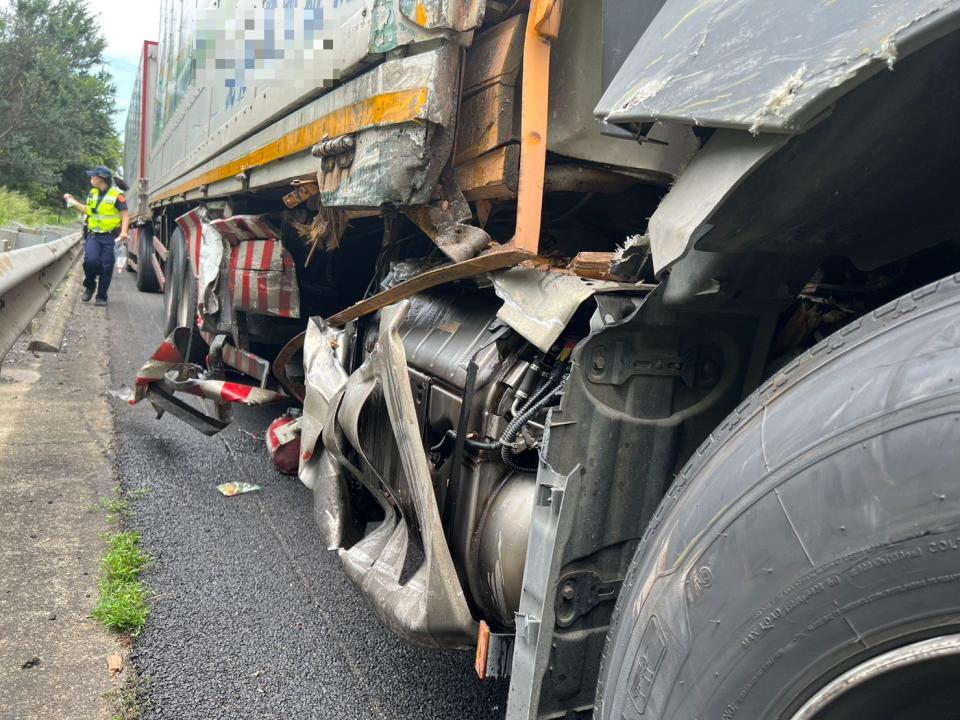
(516, 425)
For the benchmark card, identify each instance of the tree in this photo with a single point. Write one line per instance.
(56, 98)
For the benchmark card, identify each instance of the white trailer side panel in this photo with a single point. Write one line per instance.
(310, 46)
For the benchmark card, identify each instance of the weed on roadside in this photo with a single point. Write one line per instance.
(128, 700)
(138, 494)
(116, 508)
(122, 605)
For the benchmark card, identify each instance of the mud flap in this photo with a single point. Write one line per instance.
(167, 373)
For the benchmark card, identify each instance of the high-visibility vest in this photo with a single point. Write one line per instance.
(102, 215)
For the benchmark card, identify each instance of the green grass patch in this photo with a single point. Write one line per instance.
(116, 508)
(138, 494)
(122, 606)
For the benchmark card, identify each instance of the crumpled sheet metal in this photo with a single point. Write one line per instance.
(205, 252)
(399, 160)
(211, 258)
(420, 20)
(223, 391)
(765, 66)
(168, 355)
(539, 304)
(458, 15)
(163, 367)
(323, 364)
(430, 609)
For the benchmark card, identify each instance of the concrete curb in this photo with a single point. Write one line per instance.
(54, 328)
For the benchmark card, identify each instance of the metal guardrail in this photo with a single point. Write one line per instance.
(28, 277)
(16, 236)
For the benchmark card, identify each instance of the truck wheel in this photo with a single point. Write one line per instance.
(187, 302)
(128, 265)
(147, 280)
(809, 553)
(173, 272)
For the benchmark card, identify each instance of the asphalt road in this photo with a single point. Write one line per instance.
(251, 616)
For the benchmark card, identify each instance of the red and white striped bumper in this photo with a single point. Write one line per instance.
(167, 373)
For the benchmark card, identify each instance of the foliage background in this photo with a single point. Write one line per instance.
(56, 105)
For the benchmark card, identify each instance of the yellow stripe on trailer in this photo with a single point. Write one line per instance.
(384, 109)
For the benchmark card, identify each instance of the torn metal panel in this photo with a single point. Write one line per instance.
(429, 608)
(324, 350)
(457, 15)
(728, 158)
(191, 223)
(324, 476)
(389, 166)
(415, 90)
(243, 360)
(221, 390)
(165, 402)
(539, 304)
(763, 66)
(211, 258)
(447, 222)
(168, 367)
(321, 466)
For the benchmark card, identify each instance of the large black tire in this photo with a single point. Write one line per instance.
(818, 526)
(147, 280)
(174, 273)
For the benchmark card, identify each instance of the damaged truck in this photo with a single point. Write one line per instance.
(623, 333)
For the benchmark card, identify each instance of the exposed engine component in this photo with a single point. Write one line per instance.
(480, 397)
(500, 544)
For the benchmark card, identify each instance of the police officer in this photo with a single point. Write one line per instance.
(107, 223)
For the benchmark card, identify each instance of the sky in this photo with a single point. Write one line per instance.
(125, 26)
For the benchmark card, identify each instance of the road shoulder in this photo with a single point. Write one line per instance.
(56, 471)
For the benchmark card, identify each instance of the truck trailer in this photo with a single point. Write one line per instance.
(622, 335)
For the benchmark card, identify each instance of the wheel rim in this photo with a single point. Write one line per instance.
(878, 684)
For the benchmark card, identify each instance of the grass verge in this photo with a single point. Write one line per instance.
(16, 207)
(122, 605)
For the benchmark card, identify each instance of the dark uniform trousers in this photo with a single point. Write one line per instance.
(98, 259)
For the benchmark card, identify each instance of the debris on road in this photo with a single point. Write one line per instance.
(122, 393)
(31, 663)
(237, 488)
(115, 663)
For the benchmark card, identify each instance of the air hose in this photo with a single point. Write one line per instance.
(553, 390)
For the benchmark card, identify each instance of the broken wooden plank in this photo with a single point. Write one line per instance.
(503, 257)
(490, 110)
(493, 175)
(593, 265)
